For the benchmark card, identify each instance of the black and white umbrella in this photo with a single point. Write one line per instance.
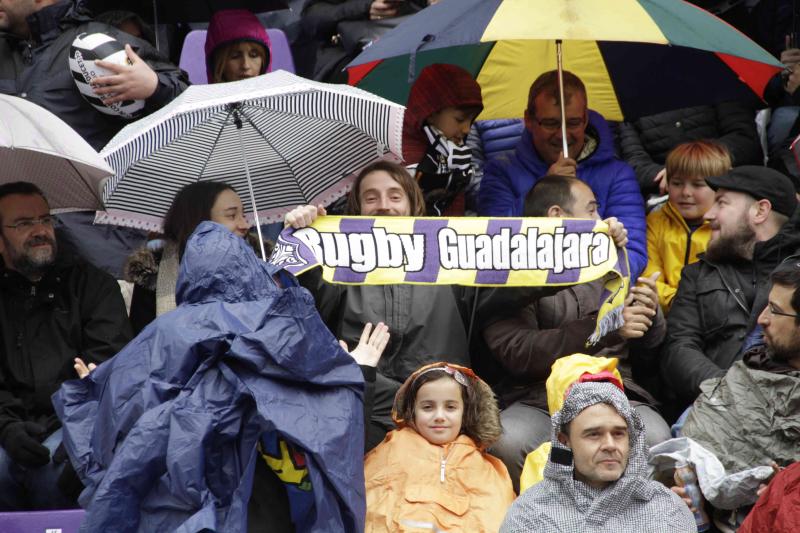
(277, 139)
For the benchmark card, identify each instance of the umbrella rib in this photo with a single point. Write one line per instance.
(216, 140)
(86, 183)
(286, 161)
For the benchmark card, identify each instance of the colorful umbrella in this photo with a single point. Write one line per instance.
(636, 57)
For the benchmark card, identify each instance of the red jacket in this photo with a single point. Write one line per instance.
(778, 509)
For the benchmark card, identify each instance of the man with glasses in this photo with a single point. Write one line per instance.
(590, 157)
(57, 316)
(754, 226)
(748, 417)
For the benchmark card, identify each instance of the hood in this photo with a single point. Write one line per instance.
(785, 243)
(437, 87)
(220, 266)
(487, 427)
(231, 25)
(760, 358)
(578, 368)
(46, 24)
(633, 484)
(671, 212)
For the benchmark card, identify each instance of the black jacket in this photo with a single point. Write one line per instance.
(75, 310)
(38, 70)
(646, 141)
(340, 28)
(709, 319)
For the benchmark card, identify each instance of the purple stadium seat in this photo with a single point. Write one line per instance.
(193, 56)
(67, 521)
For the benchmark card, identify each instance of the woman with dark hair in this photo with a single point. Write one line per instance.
(154, 269)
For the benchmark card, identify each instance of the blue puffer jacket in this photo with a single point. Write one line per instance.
(164, 435)
(507, 180)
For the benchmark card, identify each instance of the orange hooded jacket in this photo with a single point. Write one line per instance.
(413, 485)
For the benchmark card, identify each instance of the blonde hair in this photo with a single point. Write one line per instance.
(698, 159)
(223, 52)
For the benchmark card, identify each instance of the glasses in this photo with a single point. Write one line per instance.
(48, 221)
(772, 311)
(552, 124)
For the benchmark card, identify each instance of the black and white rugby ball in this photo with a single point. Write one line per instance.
(85, 50)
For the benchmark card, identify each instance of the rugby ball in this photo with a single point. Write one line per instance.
(85, 50)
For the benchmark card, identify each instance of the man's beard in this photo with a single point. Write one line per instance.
(734, 247)
(783, 352)
(33, 262)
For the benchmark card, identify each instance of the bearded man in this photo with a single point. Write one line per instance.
(57, 315)
(754, 227)
(746, 418)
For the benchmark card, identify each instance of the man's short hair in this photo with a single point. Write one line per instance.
(788, 275)
(547, 84)
(19, 187)
(549, 191)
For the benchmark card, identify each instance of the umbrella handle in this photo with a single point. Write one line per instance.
(559, 60)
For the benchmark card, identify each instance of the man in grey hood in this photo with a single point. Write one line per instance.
(595, 479)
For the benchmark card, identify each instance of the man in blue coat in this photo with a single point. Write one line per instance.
(590, 146)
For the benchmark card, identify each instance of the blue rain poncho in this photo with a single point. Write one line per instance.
(164, 436)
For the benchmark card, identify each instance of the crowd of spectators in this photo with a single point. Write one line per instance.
(456, 377)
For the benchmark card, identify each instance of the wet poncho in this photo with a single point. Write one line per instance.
(166, 434)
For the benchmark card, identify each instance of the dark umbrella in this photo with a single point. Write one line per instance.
(173, 11)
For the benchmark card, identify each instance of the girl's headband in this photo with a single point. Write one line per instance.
(459, 376)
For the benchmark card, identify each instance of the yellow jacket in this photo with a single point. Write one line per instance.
(405, 488)
(670, 247)
(565, 372)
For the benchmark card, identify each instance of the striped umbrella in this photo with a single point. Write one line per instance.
(279, 139)
(636, 57)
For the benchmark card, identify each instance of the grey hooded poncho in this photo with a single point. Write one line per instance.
(633, 504)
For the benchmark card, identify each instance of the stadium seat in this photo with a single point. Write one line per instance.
(66, 521)
(193, 56)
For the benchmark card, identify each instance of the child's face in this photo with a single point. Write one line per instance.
(438, 410)
(453, 122)
(691, 196)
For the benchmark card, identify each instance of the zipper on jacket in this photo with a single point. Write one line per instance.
(443, 464)
(734, 293)
(688, 246)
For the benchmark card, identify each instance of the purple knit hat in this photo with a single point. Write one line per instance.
(230, 25)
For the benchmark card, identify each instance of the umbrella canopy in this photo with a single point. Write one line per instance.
(38, 147)
(636, 57)
(172, 11)
(299, 142)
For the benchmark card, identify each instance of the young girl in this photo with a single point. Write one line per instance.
(237, 46)
(433, 472)
(442, 106)
(676, 233)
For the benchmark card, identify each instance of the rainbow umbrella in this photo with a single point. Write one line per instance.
(636, 57)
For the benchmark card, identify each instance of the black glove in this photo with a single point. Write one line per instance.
(22, 441)
(69, 483)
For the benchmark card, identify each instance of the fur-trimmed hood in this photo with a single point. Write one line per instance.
(141, 267)
(487, 429)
